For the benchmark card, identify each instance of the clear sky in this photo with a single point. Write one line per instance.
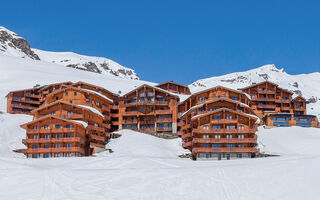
(175, 40)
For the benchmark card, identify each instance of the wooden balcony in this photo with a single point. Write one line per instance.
(185, 126)
(37, 131)
(97, 137)
(165, 120)
(266, 91)
(299, 109)
(55, 150)
(218, 131)
(164, 128)
(75, 116)
(114, 115)
(224, 121)
(283, 100)
(263, 99)
(147, 129)
(148, 122)
(286, 108)
(143, 103)
(114, 107)
(62, 130)
(130, 113)
(187, 144)
(226, 150)
(33, 95)
(159, 112)
(96, 128)
(32, 102)
(225, 140)
(21, 100)
(266, 106)
(53, 140)
(130, 121)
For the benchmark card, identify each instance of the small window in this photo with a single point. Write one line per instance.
(69, 125)
(58, 126)
(75, 93)
(70, 102)
(66, 93)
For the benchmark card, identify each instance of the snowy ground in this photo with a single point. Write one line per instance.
(146, 167)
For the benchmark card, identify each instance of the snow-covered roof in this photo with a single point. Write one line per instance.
(84, 124)
(97, 93)
(92, 110)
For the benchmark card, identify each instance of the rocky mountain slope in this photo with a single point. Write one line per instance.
(307, 85)
(14, 45)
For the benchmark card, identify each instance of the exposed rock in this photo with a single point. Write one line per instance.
(297, 92)
(264, 76)
(17, 42)
(295, 84)
(313, 99)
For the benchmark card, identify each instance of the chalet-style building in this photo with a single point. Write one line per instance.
(114, 109)
(149, 109)
(174, 87)
(24, 101)
(275, 106)
(52, 136)
(219, 124)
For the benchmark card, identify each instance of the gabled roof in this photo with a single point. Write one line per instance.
(299, 97)
(155, 88)
(54, 84)
(253, 85)
(69, 104)
(81, 90)
(216, 100)
(51, 117)
(101, 88)
(214, 88)
(224, 109)
(171, 82)
(23, 90)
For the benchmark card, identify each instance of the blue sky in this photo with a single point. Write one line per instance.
(175, 40)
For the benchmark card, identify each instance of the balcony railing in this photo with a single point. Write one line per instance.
(222, 130)
(266, 106)
(299, 109)
(97, 137)
(96, 128)
(266, 91)
(285, 108)
(164, 120)
(263, 99)
(283, 100)
(134, 121)
(224, 121)
(33, 95)
(56, 150)
(141, 103)
(32, 101)
(225, 149)
(75, 116)
(148, 122)
(225, 140)
(53, 140)
(163, 111)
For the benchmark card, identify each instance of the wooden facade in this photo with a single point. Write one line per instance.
(219, 124)
(24, 101)
(174, 87)
(148, 109)
(269, 99)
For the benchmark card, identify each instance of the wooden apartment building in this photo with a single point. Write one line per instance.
(24, 101)
(219, 124)
(275, 106)
(174, 87)
(148, 109)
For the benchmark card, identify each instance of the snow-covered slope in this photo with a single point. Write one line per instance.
(145, 167)
(88, 63)
(12, 44)
(19, 73)
(308, 85)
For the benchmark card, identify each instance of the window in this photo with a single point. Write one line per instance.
(68, 145)
(230, 146)
(217, 137)
(229, 137)
(35, 137)
(46, 155)
(241, 146)
(240, 137)
(229, 117)
(63, 116)
(58, 126)
(201, 99)
(234, 98)
(53, 113)
(58, 136)
(34, 156)
(46, 146)
(46, 137)
(216, 127)
(231, 127)
(241, 127)
(70, 113)
(224, 95)
(35, 146)
(35, 127)
(216, 146)
(87, 96)
(97, 103)
(46, 127)
(69, 125)
(67, 94)
(70, 102)
(141, 109)
(69, 135)
(217, 116)
(206, 146)
(213, 95)
(75, 93)
(205, 127)
(205, 136)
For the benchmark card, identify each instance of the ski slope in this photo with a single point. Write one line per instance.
(146, 167)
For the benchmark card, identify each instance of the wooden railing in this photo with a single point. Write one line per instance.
(164, 128)
(53, 140)
(222, 130)
(140, 103)
(266, 91)
(96, 128)
(263, 99)
(56, 150)
(187, 144)
(129, 121)
(225, 149)
(224, 121)
(97, 137)
(266, 106)
(184, 136)
(225, 140)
